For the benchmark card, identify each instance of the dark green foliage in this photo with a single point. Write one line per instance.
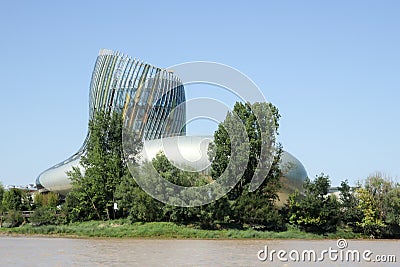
(219, 210)
(12, 199)
(142, 207)
(349, 212)
(392, 219)
(13, 218)
(258, 207)
(93, 194)
(220, 150)
(255, 209)
(79, 207)
(139, 206)
(49, 199)
(1, 197)
(315, 212)
(205, 215)
(136, 203)
(392, 204)
(44, 215)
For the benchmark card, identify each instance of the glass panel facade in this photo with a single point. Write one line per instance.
(146, 96)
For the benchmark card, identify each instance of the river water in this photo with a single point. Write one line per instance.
(38, 251)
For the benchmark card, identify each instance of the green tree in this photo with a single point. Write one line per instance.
(44, 215)
(371, 222)
(49, 199)
(176, 176)
(261, 122)
(316, 211)
(137, 204)
(1, 197)
(93, 193)
(350, 214)
(27, 200)
(261, 213)
(392, 219)
(258, 208)
(45, 211)
(142, 207)
(78, 206)
(12, 199)
(220, 150)
(13, 219)
(378, 185)
(379, 202)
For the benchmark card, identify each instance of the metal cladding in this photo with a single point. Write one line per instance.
(190, 153)
(151, 100)
(144, 94)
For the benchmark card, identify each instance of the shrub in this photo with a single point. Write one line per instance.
(43, 216)
(13, 219)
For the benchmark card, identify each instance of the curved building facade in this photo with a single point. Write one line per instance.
(149, 98)
(190, 153)
(152, 102)
(144, 94)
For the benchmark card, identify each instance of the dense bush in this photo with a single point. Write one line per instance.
(43, 216)
(13, 218)
(317, 211)
(48, 199)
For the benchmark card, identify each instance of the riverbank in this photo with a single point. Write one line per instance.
(163, 230)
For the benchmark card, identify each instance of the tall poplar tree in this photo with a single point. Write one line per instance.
(94, 187)
(255, 207)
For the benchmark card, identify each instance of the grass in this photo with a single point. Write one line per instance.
(162, 230)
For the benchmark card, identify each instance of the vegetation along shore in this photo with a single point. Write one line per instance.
(122, 228)
(105, 201)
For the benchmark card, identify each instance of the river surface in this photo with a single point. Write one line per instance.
(38, 251)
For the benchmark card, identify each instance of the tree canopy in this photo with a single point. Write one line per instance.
(104, 166)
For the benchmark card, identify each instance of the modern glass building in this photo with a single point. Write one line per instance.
(152, 102)
(145, 93)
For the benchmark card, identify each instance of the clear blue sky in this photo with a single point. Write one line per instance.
(331, 67)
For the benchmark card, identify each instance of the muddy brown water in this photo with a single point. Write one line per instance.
(41, 251)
